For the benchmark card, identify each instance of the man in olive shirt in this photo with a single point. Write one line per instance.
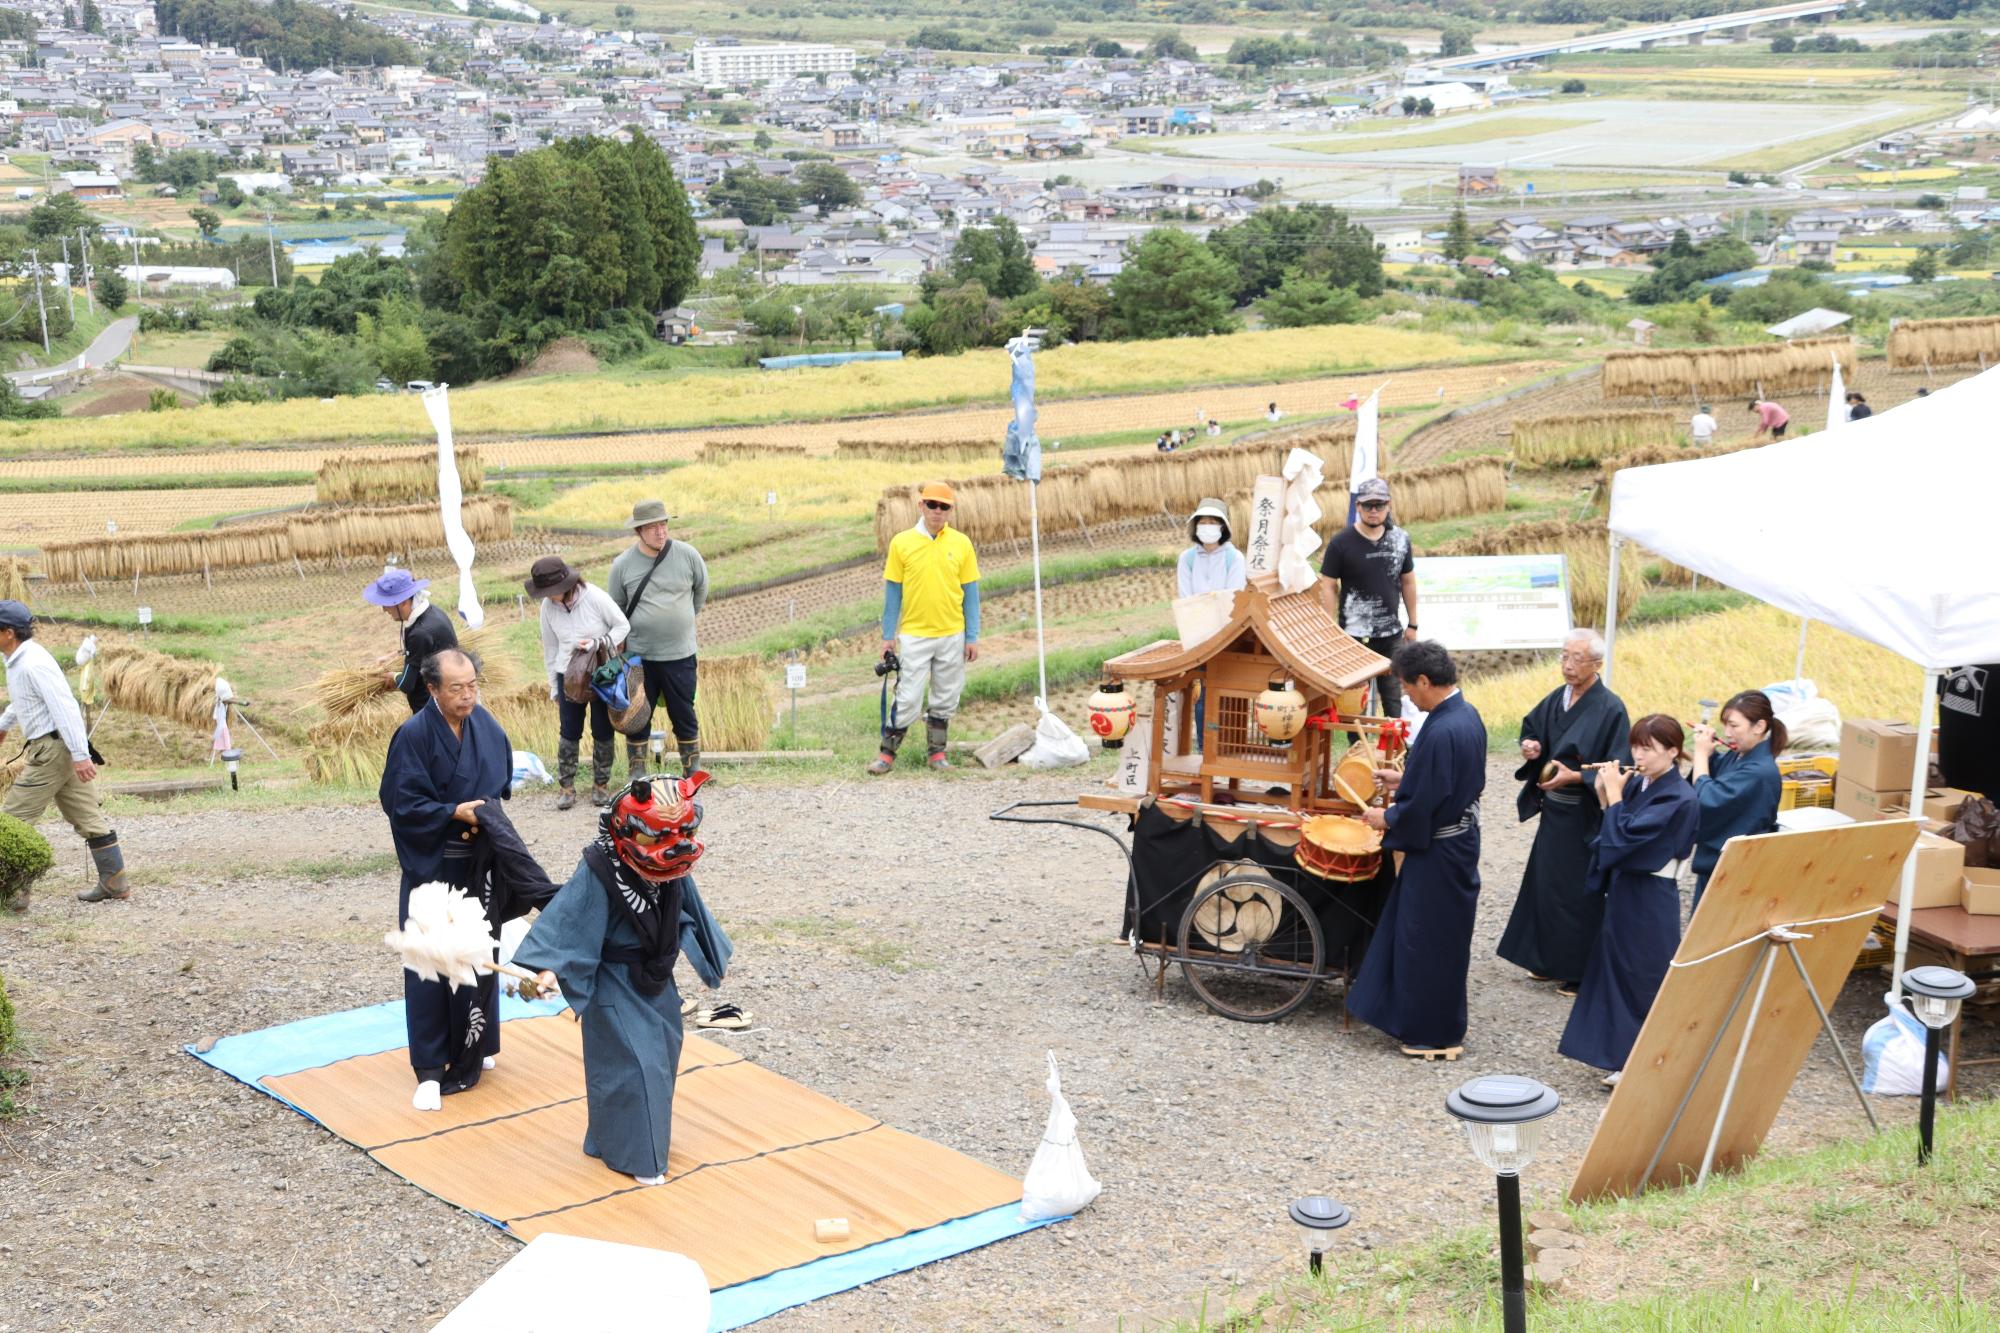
(660, 585)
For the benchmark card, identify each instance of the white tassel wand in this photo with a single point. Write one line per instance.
(446, 938)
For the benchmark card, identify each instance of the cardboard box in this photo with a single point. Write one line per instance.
(1940, 866)
(1941, 803)
(1877, 754)
(1860, 802)
(1979, 891)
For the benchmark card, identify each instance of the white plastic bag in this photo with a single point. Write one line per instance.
(1892, 1055)
(1056, 746)
(1058, 1183)
(528, 767)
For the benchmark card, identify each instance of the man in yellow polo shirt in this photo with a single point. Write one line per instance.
(930, 621)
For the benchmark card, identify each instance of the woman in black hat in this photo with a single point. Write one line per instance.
(577, 617)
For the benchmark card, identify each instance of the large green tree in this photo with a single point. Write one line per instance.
(1173, 286)
(746, 193)
(1317, 241)
(994, 257)
(1301, 300)
(826, 186)
(57, 215)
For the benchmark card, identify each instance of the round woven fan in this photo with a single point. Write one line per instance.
(1241, 916)
(1354, 775)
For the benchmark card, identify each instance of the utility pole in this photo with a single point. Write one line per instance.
(35, 258)
(83, 244)
(271, 242)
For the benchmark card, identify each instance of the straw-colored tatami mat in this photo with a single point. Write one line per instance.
(755, 1157)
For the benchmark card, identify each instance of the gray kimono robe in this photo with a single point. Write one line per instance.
(631, 1041)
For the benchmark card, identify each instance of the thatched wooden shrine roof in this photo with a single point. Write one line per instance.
(1292, 627)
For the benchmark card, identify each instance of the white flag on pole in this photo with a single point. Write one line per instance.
(1836, 399)
(1367, 443)
(450, 497)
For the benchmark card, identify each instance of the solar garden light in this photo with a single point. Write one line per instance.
(1502, 1116)
(230, 758)
(1935, 994)
(1317, 1218)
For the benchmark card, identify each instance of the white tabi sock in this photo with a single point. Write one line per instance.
(430, 1096)
(487, 1062)
(651, 1180)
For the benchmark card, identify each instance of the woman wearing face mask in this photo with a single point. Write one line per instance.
(1647, 831)
(1211, 564)
(1738, 790)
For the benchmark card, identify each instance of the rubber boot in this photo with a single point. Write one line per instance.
(566, 753)
(637, 763)
(892, 740)
(690, 756)
(111, 885)
(935, 729)
(602, 754)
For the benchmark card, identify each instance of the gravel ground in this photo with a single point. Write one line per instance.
(917, 970)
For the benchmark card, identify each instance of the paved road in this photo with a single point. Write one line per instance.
(105, 348)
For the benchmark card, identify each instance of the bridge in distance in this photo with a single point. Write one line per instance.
(1686, 30)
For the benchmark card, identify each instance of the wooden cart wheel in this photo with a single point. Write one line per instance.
(1250, 948)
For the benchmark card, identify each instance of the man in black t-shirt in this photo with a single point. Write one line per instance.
(1368, 568)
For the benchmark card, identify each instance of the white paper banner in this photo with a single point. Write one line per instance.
(1267, 514)
(456, 538)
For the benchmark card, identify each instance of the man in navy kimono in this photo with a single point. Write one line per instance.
(1556, 917)
(444, 763)
(1412, 982)
(609, 940)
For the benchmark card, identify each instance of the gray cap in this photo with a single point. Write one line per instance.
(15, 615)
(1372, 489)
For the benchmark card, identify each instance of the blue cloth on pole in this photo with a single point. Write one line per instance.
(1021, 459)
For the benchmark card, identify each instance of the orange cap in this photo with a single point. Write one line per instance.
(937, 490)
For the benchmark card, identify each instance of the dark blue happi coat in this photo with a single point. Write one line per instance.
(631, 1040)
(1738, 798)
(428, 773)
(1412, 983)
(1651, 830)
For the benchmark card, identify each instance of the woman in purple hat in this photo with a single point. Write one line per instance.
(424, 629)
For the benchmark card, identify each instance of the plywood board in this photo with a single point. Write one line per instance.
(1777, 879)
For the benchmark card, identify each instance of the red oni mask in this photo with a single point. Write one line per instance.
(652, 826)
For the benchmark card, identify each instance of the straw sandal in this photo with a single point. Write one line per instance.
(1430, 1054)
(1567, 989)
(723, 1017)
(688, 1006)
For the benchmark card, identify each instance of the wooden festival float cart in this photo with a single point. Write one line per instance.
(1247, 866)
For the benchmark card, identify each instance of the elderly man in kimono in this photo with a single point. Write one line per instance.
(1412, 981)
(448, 762)
(609, 940)
(1557, 917)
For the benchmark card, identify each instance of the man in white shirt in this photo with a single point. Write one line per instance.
(1703, 427)
(41, 707)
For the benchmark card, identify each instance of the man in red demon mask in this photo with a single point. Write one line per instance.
(609, 940)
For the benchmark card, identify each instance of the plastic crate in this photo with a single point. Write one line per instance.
(1807, 783)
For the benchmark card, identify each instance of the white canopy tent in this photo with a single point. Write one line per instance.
(1884, 528)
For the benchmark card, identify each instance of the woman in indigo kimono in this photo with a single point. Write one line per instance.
(444, 764)
(1412, 981)
(1739, 789)
(1647, 831)
(609, 940)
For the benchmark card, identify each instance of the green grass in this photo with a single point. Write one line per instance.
(338, 867)
(1852, 1237)
(1663, 604)
(1018, 679)
(1777, 157)
(175, 481)
(88, 325)
(1476, 129)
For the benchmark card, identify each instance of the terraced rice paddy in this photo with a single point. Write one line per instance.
(28, 519)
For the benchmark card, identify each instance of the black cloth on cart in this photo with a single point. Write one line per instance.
(1169, 857)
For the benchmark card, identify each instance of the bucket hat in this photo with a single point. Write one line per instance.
(1210, 507)
(649, 511)
(551, 576)
(395, 587)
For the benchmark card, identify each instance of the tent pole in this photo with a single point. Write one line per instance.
(1799, 664)
(1611, 609)
(1919, 783)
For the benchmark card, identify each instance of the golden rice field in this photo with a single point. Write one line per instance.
(29, 519)
(803, 488)
(1442, 385)
(1667, 668)
(556, 405)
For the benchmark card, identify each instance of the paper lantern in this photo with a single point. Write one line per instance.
(1111, 711)
(1280, 710)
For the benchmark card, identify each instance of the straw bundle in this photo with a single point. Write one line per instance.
(14, 578)
(994, 507)
(385, 478)
(349, 750)
(344, 691)
(1923, 343)
(157, 685)
(1585, 548)
(1805, 363)
(1656, 454)
(1449, 490)
(1580, 439)
(928, 451)
(745, 451)
(732, 703)
(343, 533)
